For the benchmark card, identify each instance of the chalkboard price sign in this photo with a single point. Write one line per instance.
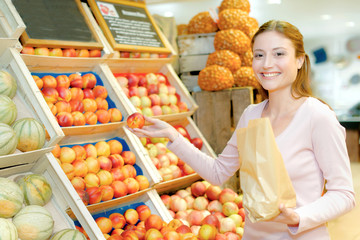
(54, 23)
(128, 26)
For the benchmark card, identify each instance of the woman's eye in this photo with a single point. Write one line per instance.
(258, 55)
(279, 54)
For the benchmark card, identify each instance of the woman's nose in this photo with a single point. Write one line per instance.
(268, 62)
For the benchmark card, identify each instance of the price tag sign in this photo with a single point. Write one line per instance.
(128, 26)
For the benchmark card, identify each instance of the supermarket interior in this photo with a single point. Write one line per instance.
(83, 84)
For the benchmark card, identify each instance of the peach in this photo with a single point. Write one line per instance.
(117, 174)
(80, 152)
(79, 118)
(56, 52)
(90, 150)
(198, 189)
(183, 106)
(68, 169)
(104, 224)
(166, 173)
(219, 215)
(50, 94)
(76, 93)
(63, 81)
(115, 115)
(100, 91)
(227, 195)
(156, 162)
(214, 206)
(95, 53)
(101, 103)
(172, 235)
(43, 51)
(237, 219)
(182, 193)
(166, 199)
(90, 118)
(28, 50)
(213, 192)
(49, 81)
(75, 80)
(63, 106)
(105, 163)
(153, 234)
(182, 215)
(207, 232)
(116, 160)
(176, 171)
(175, 223)
(80, 168)
(227, 225)
(120, 189)
(190, 201)
(56, 151)
(102, 148)
(129, 171)
(103, 116)
(78, 183)
(83, 195)
(164, 160)
(67, 155)
(132, 185)
(88, 93)
(64, 94)
(129, 157)
(201, 203)
(143, 182)
(230, 208)
(82, 53)
(118, 220)
(131, 216)
(178, 204)
(107, 192)
(115, 146)
(69, 52)
(89, 105)
(184, 229)
(105, 177)
(211, 220)
(65, 119)
(93, 164)
(153, 221)
(52, 107)
(92, 180)
(187, 169)
(195, 217)
(172, 158)
(39, 82)
(144, 212)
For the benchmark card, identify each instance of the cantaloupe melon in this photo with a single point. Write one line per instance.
(68, 234)
(36, 189)
(30, 134)
(11, 198)
(8, 110)
(8, 140)
(8, 85)
(7, 230)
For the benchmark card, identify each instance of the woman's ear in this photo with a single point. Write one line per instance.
(300, 61)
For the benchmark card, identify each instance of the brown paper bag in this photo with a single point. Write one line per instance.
(264, 180)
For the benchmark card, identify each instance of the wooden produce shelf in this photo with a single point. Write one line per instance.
(64, 195)
(168, 71)
(29, 103)
(11, 24)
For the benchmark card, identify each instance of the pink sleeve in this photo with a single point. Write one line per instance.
(328, 138)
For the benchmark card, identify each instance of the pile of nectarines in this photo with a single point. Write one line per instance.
(61, 52)
(100, 171)
(151, 93)
(202, 203)
(76, 100)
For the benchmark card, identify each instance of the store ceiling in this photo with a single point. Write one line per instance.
(341, 17)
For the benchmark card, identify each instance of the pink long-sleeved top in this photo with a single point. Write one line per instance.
(313, 149)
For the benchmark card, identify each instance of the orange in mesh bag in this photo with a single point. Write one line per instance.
(264, 180)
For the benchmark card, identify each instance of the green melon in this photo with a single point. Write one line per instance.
(8, 140)
(11, 198)
(8, 85)
(34, 222)
(30, 134)
(8, 110)
(36, 189)
(68, 234)
(7, 230)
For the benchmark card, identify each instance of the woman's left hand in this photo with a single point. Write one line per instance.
(287, 216)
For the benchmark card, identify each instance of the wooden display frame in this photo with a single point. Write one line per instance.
(27, 41)
(128, 47)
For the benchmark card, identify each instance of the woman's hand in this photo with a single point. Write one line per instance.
(158, 128)
(287, 216)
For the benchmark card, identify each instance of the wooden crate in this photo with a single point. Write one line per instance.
(168, 71)
(217, 117)
(64, 195)
(107, 79)
(11, 24)
(29, 103)
(195, 44)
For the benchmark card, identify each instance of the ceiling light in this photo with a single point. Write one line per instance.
(168, 14)
(274, 1)
(350, 24)
(326, 17)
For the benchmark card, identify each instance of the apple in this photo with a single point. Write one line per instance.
(154, 55)
(56, 52)
(211, 220)
(41, 51)
(178, 204)
(105, 163)
(117, 174)
(142, 81)
(155, 99)
(76, 80)
(147, 111)
(197, 142)
(230, 208)
(76, 106)
(78, 183)
(183, 229)
(242, 213)
(152, 89)
(207, 232)
(64, 94)
(182, 130)
(88, 93)
(133, 80)
(187, 170)
(145, 55)
(198, 189)
(195, 217)
(133, 91)
(213, 192)
(63, 106)
(173, 100)
(237, 219)
(116, 160)
(183, 107)
(28, 50)
(201, 203)
(145, 101)
(90, 105)
(123, 81)
(49, 81)
(171, 90)
(227, 225)
(156, 110)
(135, 120)
(135, 100)
(153, 234)
(151, 78)
(227, 195)
(69, 52)
(166, 110)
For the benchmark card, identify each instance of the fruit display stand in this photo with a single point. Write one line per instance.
(168, 71)
(29, 103)
(11, 24)
(63, 197)
(105, 78)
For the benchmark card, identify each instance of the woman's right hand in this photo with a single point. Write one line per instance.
(158, 128)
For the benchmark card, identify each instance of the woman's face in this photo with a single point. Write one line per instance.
(274, 63)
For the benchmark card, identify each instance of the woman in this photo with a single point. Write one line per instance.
(309, 137)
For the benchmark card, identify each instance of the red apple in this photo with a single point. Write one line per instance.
(198, 142)
(135, 120)
(207, 232)
(198, 189)
(133, 80)
(182, 131)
